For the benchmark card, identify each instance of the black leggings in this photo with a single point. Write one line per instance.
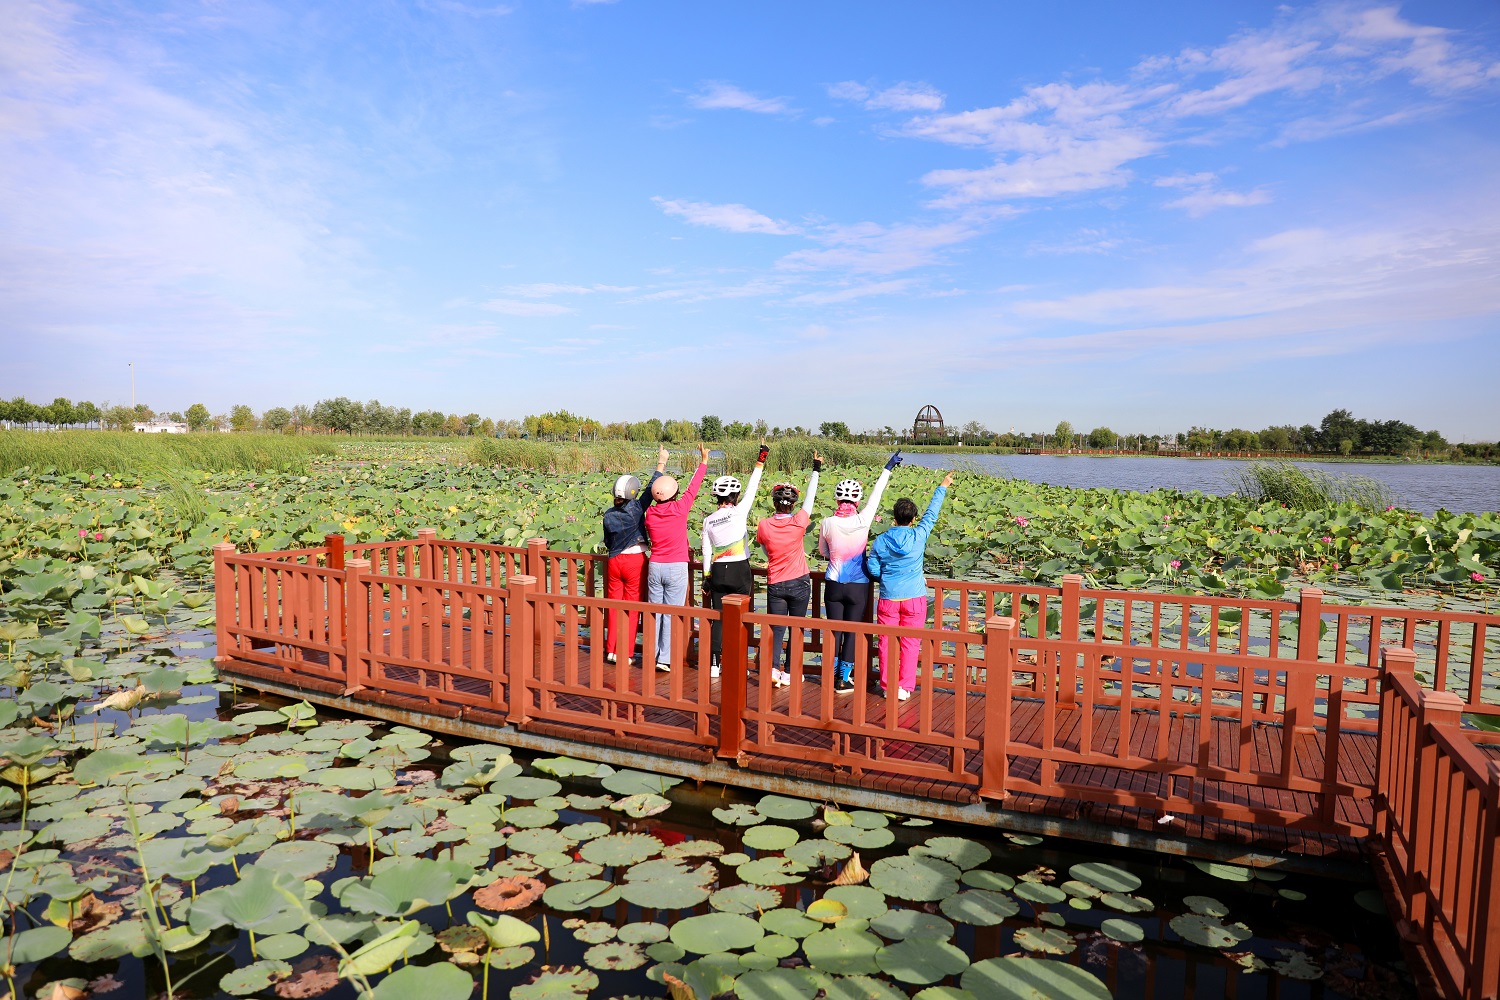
(727, 578)
(845, 602)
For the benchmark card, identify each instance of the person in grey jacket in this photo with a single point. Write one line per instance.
(625, 572)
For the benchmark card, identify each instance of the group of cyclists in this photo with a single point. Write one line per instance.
(646, 534)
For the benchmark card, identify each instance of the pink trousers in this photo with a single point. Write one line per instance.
(910, 613)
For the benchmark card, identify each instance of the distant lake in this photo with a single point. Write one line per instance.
(1461, 488)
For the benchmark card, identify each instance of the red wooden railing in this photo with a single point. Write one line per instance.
(1191, 702)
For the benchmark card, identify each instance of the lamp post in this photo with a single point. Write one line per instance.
(131, 366)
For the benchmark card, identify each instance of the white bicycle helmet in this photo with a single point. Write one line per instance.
(848, 489)
(627, 487)
(726, 486)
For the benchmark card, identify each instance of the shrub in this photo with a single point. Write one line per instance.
(1309, 489)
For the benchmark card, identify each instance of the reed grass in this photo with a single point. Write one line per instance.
(1309, 489)
(537, 456)
(122, 452)
(794, 454)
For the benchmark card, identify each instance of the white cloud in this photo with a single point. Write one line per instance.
(547, 290)
(730, 218)
(1203, 195)
(904, 96)
(850, 294)
(870, 248)
(522, 307)
(718, 96)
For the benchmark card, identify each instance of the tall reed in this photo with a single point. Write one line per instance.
(122, 452)
(1309, 489)
(536, 456)
(793, 454)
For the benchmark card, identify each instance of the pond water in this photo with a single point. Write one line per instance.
(1423, 487)
(939, 901)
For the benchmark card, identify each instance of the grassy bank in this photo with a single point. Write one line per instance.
(559, 459)
(123, 452)
(793, 454)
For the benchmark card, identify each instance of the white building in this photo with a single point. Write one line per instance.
(162, 427)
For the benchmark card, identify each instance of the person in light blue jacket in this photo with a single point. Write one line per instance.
(896, 560)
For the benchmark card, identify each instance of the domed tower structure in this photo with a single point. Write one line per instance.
(929, 425)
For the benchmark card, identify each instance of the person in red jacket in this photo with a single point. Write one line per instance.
(667, 575)
(788, 580)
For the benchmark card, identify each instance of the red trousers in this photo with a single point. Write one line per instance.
(624, 580)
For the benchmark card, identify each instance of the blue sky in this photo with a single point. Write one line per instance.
(1152, 216)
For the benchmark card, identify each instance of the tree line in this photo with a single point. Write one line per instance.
(1339, 433)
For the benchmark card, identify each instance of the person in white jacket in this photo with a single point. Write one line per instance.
(726, 546)
(846, 587)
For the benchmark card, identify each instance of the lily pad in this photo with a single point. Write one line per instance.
(670, 892)
(1049, 940)
(861, 988)
(1208, 931)
(777, 984)
(520, 787)
(1127, 903)
(827, 911)
(716, 932)
(784, 808)
(771, 871)
(1031, 979)
(738, 814)
(817, 852)
(903, 924)
(921, 960)
(965, 854)
(789, 923)
(922, 879)
(638, 782)
(594, 932)
(979, 907)
(770, 837)
(439, 981)
(561, 983)
(862, 901)
(529, 816)
(585, 895)
(539, 840)
(646, 932)
(1105, 877)
(843, 952)
(980, 878)
(745, 899)
(615, 955)
(1119, 929)
(254, 977)
(1039, 892)
(620, 849)
(513, 957)
(859, 837)
(302, 859)
(777, 946)
(1371, 901)
(1206, 905)
(642, 805)
(1229, 873)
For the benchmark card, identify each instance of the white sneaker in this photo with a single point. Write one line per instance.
(665, 668)
(713, 671)
(902, 694)
(781, 678)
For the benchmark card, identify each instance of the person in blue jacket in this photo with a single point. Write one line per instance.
(896, 560)
(625, 572)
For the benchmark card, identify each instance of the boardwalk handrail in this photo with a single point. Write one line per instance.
(1438, 819)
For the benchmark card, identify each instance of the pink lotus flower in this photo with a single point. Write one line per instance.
(1336, 566)
(98, 536)
(82, 533)
(1391, 507)
(1022, 521)
(1477, 577)
(1327, 539)
(1175, 564)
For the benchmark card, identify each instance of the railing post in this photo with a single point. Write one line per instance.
(536, 561)
(1301, 681)
(1067, 618)
(426, 553)
(523, 650)
(1434, 709)
(999, 633)
(225, 609)
(733, 673)
(1486, 952)
(335, 546)
(358, 651)
(1394, 662)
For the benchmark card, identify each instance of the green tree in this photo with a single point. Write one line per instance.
(144, 414)
(277, 418)
(973, 432)
(471, 424)
(1063, 434)
(1102, 437)
(87, 413)
(1338, 427)
(119, 418)
(339, 414)
(242, 418)
(679, 431)
(197, 417)
(646, 431)
(711, 428)
(836, 429)
(738, 430)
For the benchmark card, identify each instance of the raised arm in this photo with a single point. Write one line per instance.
(812, 484)
(708, 552)
(872, 505)
(934, 508)
(691, 493)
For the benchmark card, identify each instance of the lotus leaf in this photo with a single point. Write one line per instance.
(1081, 890)
(783, 808)
(921, 960)
(257, 902)
(1039, 892)
(402, 940)
(1080, 903)
(620, 849)
(660, 868)
(861, 901)
(1208, 931)
(1291, 894)
(512, 958)
(594, 932)
(301, 859)
(1297, 965)
(770, 838)
(438, 981)
(639, 782)
(859, 837)
(790, 923)
(1031, 979)
(776, 984)
(943, 993)
(576, 871)
(462, 938)
(923, 879)
(712, 975)
(35, 944)
(1230, 873)
(777, 946)
(958, 851)
(668, 892)
(1023, 839)
(843, 952)
(827, 911)
(504, 930)
(614, 955)
(641, 805)
(738, 814)
(406, 887)
(277, 946)
(1371, 901)
(745, 899)
(979, 907)
(565, 767)
(585, 895)
(716, 932)
(837, 817)
(861, 988)
(358, 779)
(979, 878)
(1107, 878)
(589, 801)
(665, 951)
(817, 853)
(114, 941)
(526, 788)
(561, 983)
(539, 840)
(905, 924)
(1206, 905)
(479, 751)
(254, 977)
(1125, 903)
(579, 832)
(1123, 930)
(771, 871)
(734, 859)
(647, 932)
(530, 816)
(757, 961)
(474, 816)
(1045, 939)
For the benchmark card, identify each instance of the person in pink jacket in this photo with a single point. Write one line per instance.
(667, 575)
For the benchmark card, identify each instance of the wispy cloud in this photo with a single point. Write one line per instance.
(901, 97)
(548, 290)
(719, 96)
(731, 218)
(467, 10)
(870, 248)
(525, 307)
(1202, 194)
(850, 294)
